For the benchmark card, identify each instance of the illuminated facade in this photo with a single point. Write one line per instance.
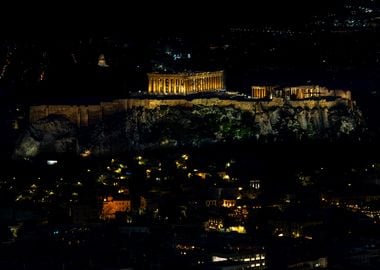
(262, 91)
(111, 206)
(185, 83)
(297, 92)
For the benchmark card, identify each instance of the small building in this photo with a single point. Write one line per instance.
(111, 207)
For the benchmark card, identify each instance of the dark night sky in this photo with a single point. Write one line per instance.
(146, 17)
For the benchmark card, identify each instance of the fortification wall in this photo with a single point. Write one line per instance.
(87, 115)
(319, 103)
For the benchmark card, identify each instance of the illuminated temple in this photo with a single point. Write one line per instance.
(185, 83)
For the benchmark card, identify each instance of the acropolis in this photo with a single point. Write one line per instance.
(188, 89)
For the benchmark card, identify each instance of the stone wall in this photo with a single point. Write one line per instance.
(87, 115)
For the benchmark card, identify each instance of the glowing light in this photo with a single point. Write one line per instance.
(218, 259)
(51, 162)
(238, 229)
(85, 153)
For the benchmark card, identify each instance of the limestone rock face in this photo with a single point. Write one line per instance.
(54, 133)
(166, 126)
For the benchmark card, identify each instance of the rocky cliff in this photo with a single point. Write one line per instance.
(165, 126)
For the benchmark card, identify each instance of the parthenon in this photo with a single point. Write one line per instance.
(185, 83)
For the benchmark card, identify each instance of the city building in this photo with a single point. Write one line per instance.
(112, 206)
